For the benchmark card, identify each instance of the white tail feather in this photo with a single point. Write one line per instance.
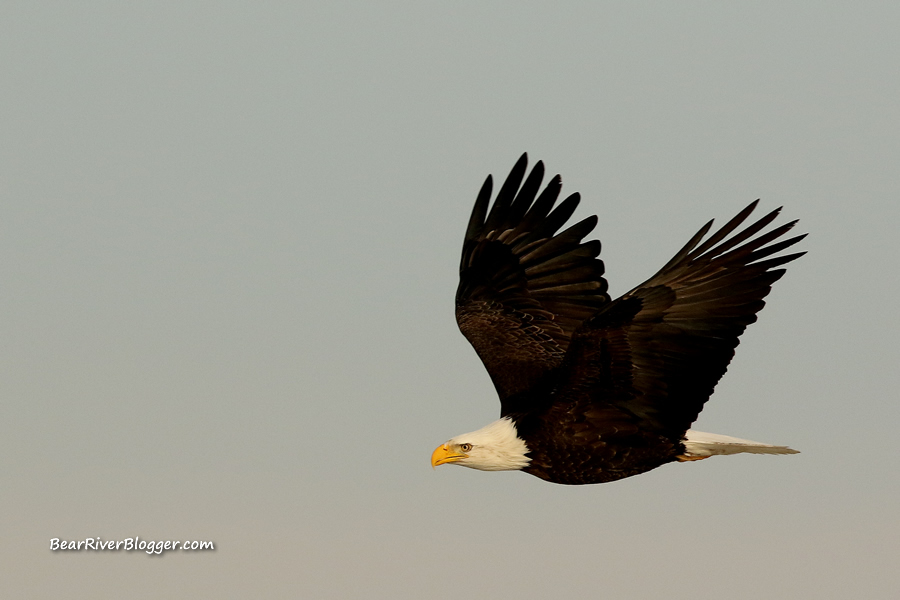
(700, 444)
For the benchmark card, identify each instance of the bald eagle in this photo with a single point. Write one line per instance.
(593, 389)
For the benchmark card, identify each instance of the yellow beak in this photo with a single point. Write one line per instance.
(442, 454)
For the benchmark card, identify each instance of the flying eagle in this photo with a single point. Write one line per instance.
(593, 390)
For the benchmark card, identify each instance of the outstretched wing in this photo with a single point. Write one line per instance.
(524, 288)
(653, 357)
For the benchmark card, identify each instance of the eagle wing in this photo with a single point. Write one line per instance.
(650, 360)
(524, 288)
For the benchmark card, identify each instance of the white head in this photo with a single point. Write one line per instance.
(495, 447)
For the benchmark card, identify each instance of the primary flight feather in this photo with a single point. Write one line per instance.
(594, 389)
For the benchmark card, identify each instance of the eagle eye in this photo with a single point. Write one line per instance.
(465, 447)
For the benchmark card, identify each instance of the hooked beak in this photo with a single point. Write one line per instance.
(442, 454)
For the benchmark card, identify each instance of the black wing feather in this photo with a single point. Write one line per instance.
(655, 354)
(524, 289)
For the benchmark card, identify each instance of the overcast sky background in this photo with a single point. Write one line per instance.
(229, 235)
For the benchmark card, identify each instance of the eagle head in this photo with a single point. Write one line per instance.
(496, 447)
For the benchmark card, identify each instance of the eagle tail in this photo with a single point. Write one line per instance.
(698, 444)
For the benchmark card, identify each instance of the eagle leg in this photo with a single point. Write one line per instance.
(686, 458)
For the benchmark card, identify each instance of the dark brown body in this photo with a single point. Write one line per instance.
(595, 459)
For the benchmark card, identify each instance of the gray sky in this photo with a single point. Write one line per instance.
(229, 235)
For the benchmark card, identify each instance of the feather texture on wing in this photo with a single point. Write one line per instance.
(524, 288)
